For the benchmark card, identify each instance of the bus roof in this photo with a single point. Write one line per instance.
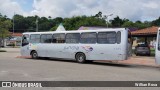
(74, 31)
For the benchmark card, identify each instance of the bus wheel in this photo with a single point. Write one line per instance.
(80, 57)
(34, 54)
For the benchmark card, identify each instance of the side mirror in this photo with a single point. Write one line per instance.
(24, 38)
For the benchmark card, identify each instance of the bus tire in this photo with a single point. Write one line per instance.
(34, 55)
(80, 58)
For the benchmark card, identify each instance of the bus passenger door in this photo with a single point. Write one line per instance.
(158, 48)
(25, 46)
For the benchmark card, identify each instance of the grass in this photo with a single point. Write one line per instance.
(152, 52)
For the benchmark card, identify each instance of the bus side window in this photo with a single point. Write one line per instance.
(118, 37)
(88, 38)
(25, 40)
(72, 37)
(35, 38)
(107, 37)
(46, 38)
(58, 38)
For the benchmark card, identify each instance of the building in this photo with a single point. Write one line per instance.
(14, 39)
(146, 35)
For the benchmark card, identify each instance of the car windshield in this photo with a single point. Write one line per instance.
(142, 45)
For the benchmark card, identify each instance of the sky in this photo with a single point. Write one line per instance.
(144, 10)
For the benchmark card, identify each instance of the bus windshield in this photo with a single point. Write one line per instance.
(25, 40)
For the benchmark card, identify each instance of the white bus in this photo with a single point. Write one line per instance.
(80, 45)
(158, 48)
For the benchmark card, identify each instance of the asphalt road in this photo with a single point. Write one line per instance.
(19, 69)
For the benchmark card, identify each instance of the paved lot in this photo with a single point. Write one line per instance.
(19, 69)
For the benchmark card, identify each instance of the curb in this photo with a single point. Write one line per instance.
(23, 57)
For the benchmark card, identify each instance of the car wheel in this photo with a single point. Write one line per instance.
(80, 57)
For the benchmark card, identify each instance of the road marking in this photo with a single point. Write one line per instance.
(3, 73)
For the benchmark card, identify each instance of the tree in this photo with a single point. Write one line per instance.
(138, 24)
(128, 24)
(54, 28)
(4, 27)
(54, 23)
(156, 22)
(75, 22)
(19, 23)
(117, 22)
(27, 24)
(49, 17)
(141, 25)
(99, 14)
(58, 20)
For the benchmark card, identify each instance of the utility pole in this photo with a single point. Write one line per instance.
(37, 24)
(106, 18)
(13, 22)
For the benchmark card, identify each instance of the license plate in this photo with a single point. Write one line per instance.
(144, 52)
